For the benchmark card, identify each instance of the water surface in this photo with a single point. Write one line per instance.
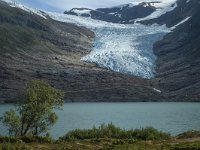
(174, 118)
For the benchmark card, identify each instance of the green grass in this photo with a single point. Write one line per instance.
(101, 144)
(106, 137)
(187, 146)
(154, 146)
(26, 139)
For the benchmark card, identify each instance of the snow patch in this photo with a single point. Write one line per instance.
(162, 7)
(187, 1)
(183, 21)
(157, 90)
(79, 12)
(26, 8)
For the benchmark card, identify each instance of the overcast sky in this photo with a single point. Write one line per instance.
(62, 5)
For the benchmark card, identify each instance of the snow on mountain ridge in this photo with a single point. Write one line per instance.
(13, 3)
(155, 3)
(138, 10)
(162, 8)
(80, 11)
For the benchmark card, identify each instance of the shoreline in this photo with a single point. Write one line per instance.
(95, 102)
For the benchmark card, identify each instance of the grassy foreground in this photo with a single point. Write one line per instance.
(107, 137)
(103, 144)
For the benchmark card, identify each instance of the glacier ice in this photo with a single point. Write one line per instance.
(121, 48)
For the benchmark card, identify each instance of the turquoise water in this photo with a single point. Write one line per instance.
(170, 117)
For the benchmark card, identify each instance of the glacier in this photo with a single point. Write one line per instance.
(121, 48)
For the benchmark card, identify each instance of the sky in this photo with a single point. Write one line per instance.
(62, 5)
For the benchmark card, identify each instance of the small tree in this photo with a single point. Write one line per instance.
(34, 115)
(12, 121)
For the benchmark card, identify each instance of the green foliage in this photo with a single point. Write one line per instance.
(12, 121)
(111, 131)
(35, 113)
(149, 133)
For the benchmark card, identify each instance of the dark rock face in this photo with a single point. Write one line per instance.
(32, 47)
(178, 64)
(183, 10)
(122, 14)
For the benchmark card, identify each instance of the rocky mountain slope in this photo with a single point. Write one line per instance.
(178, 64)
(36, 47)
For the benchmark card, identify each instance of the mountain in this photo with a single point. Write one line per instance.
(35, 46)
(57, 48)
(119, 14)
(178, 63)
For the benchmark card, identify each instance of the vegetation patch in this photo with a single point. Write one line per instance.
(35, 114)
(111, 131)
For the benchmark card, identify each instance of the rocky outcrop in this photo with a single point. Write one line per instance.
(124, 14)
(32, 47)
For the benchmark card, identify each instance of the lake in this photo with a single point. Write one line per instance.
(173, 117)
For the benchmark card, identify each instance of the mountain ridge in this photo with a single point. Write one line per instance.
(117, 14)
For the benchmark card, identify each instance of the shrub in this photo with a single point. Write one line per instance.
(150, 133)
(111, 131)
